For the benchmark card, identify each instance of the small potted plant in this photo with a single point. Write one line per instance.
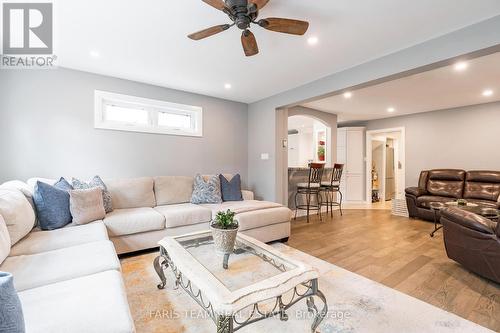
(224, 229)
(321, 153)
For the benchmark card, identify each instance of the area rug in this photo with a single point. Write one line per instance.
(356, 304)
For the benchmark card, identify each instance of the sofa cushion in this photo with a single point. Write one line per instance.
(446, 183)
(92, 304)
(35, 270)
(4, 240)
(131, 193)
(184, 214)
(247, 195)
(206, 191)
(23, 187)
(17, 213)
(482, 185)
(231, 189)
(262, 218)
(134, 220)
(485, 203)
(424, 200)
(241, 206)
(11, 311)
(52, 205)
(96, 182)
(86, 205)
(44, 241)
(171, 190)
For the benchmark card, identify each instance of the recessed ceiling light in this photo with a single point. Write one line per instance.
(94, 54)
(487, 93)
(348, 94)
(228, 86)
(461, 66)
(391, 110)
(313, 40)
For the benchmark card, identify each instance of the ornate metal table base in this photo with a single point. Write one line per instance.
(232, 323)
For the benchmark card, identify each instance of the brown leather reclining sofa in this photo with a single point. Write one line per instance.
(473, 241)
(444, 185)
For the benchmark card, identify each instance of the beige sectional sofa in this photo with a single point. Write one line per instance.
(69, 279)
(148, 209)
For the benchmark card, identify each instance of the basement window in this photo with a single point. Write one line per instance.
(135, 114)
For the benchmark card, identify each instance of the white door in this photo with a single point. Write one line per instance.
(355, 152)
(355, 165)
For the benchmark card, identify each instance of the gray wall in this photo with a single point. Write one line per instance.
(463, 138)
(47, 130)
(262, 115)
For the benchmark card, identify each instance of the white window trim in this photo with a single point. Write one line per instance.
(102, 98)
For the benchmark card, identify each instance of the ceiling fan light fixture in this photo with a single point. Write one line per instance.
(243, 13)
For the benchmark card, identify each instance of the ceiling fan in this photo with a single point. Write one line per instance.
(243, 13)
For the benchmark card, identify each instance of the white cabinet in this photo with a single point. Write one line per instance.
(351, 152)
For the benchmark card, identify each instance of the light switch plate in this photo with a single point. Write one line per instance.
(264, 156)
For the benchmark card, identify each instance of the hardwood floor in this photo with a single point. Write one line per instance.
(399, 253)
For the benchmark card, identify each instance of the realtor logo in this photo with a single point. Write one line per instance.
(27, 30)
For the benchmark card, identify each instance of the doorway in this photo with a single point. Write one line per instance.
(385, 178)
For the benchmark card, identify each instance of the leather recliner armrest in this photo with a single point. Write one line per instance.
(415, 191)
(469, 220)
(498, 229)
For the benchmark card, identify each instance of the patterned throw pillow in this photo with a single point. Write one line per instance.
(96, 182)
(231, 190)
(206, 192)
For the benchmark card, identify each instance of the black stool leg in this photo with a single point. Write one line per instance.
(327, 194)
(318, 199)
(296, 206)
(340, 204)
(308, 204)
(330, 194)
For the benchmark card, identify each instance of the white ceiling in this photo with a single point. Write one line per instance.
(438, 89)
(146, 40)
(298, 122)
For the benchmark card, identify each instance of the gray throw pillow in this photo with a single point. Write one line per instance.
(206, 192)
(231, 190)
(11, 312)
(96, 182)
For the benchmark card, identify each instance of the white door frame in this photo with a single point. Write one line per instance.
(369, 157)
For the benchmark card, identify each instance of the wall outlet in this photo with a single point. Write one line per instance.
(264, 156)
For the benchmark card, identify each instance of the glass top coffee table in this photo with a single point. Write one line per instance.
(436, 207)
(488, 212)
(258, 283)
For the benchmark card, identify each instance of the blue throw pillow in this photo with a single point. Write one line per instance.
(11, 312)
(52, 205)
(231, 190)
(63, 184)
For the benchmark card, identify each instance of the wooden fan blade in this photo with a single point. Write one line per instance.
(287, 26)
(259, 3)
(219, 4)
(209, 32)
(249, 43)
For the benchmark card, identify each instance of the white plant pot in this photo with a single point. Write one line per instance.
(224, 240)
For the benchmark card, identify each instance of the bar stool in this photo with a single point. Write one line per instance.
(309, 189)
(331, 187)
